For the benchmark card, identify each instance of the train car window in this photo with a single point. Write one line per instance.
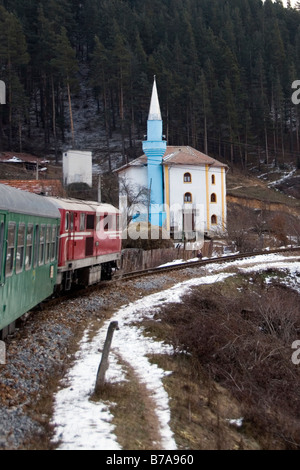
(36, 245)
(29, 246)
(90, 221)
(20, 249)
(10, 254)
(1, 246)
(53, 243)
(82, 223)
(42, 244)
(48, 244)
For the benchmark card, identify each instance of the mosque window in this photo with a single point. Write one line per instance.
(214, 220)
(187, 178)
(188, 197)
(213, 197)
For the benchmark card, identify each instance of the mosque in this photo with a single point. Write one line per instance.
(185, 189)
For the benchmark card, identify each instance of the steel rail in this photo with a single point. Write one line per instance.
(196, 264)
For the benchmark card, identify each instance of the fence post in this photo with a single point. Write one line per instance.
(105, 353)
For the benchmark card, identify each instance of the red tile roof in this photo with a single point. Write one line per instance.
(188, 156)
(179, 155)
(47, 187)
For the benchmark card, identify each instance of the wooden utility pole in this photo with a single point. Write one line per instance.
(99, 188)
(71, 113)
(100, 381)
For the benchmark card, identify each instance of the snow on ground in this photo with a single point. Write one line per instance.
(85, 424)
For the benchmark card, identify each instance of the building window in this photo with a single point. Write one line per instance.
(213, 197)
(214, 220)
(187, 178)
(188, 197)
(213, 179)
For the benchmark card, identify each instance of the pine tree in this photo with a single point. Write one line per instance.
(66, 67)
(13, 58)
(99, 82)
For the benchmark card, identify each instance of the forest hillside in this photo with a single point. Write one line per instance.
(224, 70)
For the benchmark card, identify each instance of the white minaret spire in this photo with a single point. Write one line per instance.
(154, 112)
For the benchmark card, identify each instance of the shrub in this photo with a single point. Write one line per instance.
(245, 344)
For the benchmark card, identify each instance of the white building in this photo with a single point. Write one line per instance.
(77, 167)
(186, 188)
(194, 191)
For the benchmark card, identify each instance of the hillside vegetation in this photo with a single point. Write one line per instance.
(224, 72)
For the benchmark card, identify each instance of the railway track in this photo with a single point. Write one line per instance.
(197, 264)
(51, 302)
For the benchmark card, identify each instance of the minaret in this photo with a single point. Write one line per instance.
(154, 148)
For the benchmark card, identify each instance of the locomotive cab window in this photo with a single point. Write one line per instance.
(72, 217)
(29, 246)
(10, 254)
(20, 249)
(67, 221)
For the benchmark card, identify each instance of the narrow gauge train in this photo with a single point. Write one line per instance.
(48, 244)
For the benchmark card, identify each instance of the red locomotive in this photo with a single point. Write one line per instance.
(89, 242)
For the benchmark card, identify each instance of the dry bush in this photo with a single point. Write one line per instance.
(245, 344)
(143, 236)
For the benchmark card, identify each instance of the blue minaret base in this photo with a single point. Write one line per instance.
(154, 152)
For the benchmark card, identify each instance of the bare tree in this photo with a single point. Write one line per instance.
(137, 199)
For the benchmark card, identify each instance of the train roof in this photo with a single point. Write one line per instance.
(83, 206)
(22, 202)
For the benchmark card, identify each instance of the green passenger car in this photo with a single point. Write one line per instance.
(29, 227)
